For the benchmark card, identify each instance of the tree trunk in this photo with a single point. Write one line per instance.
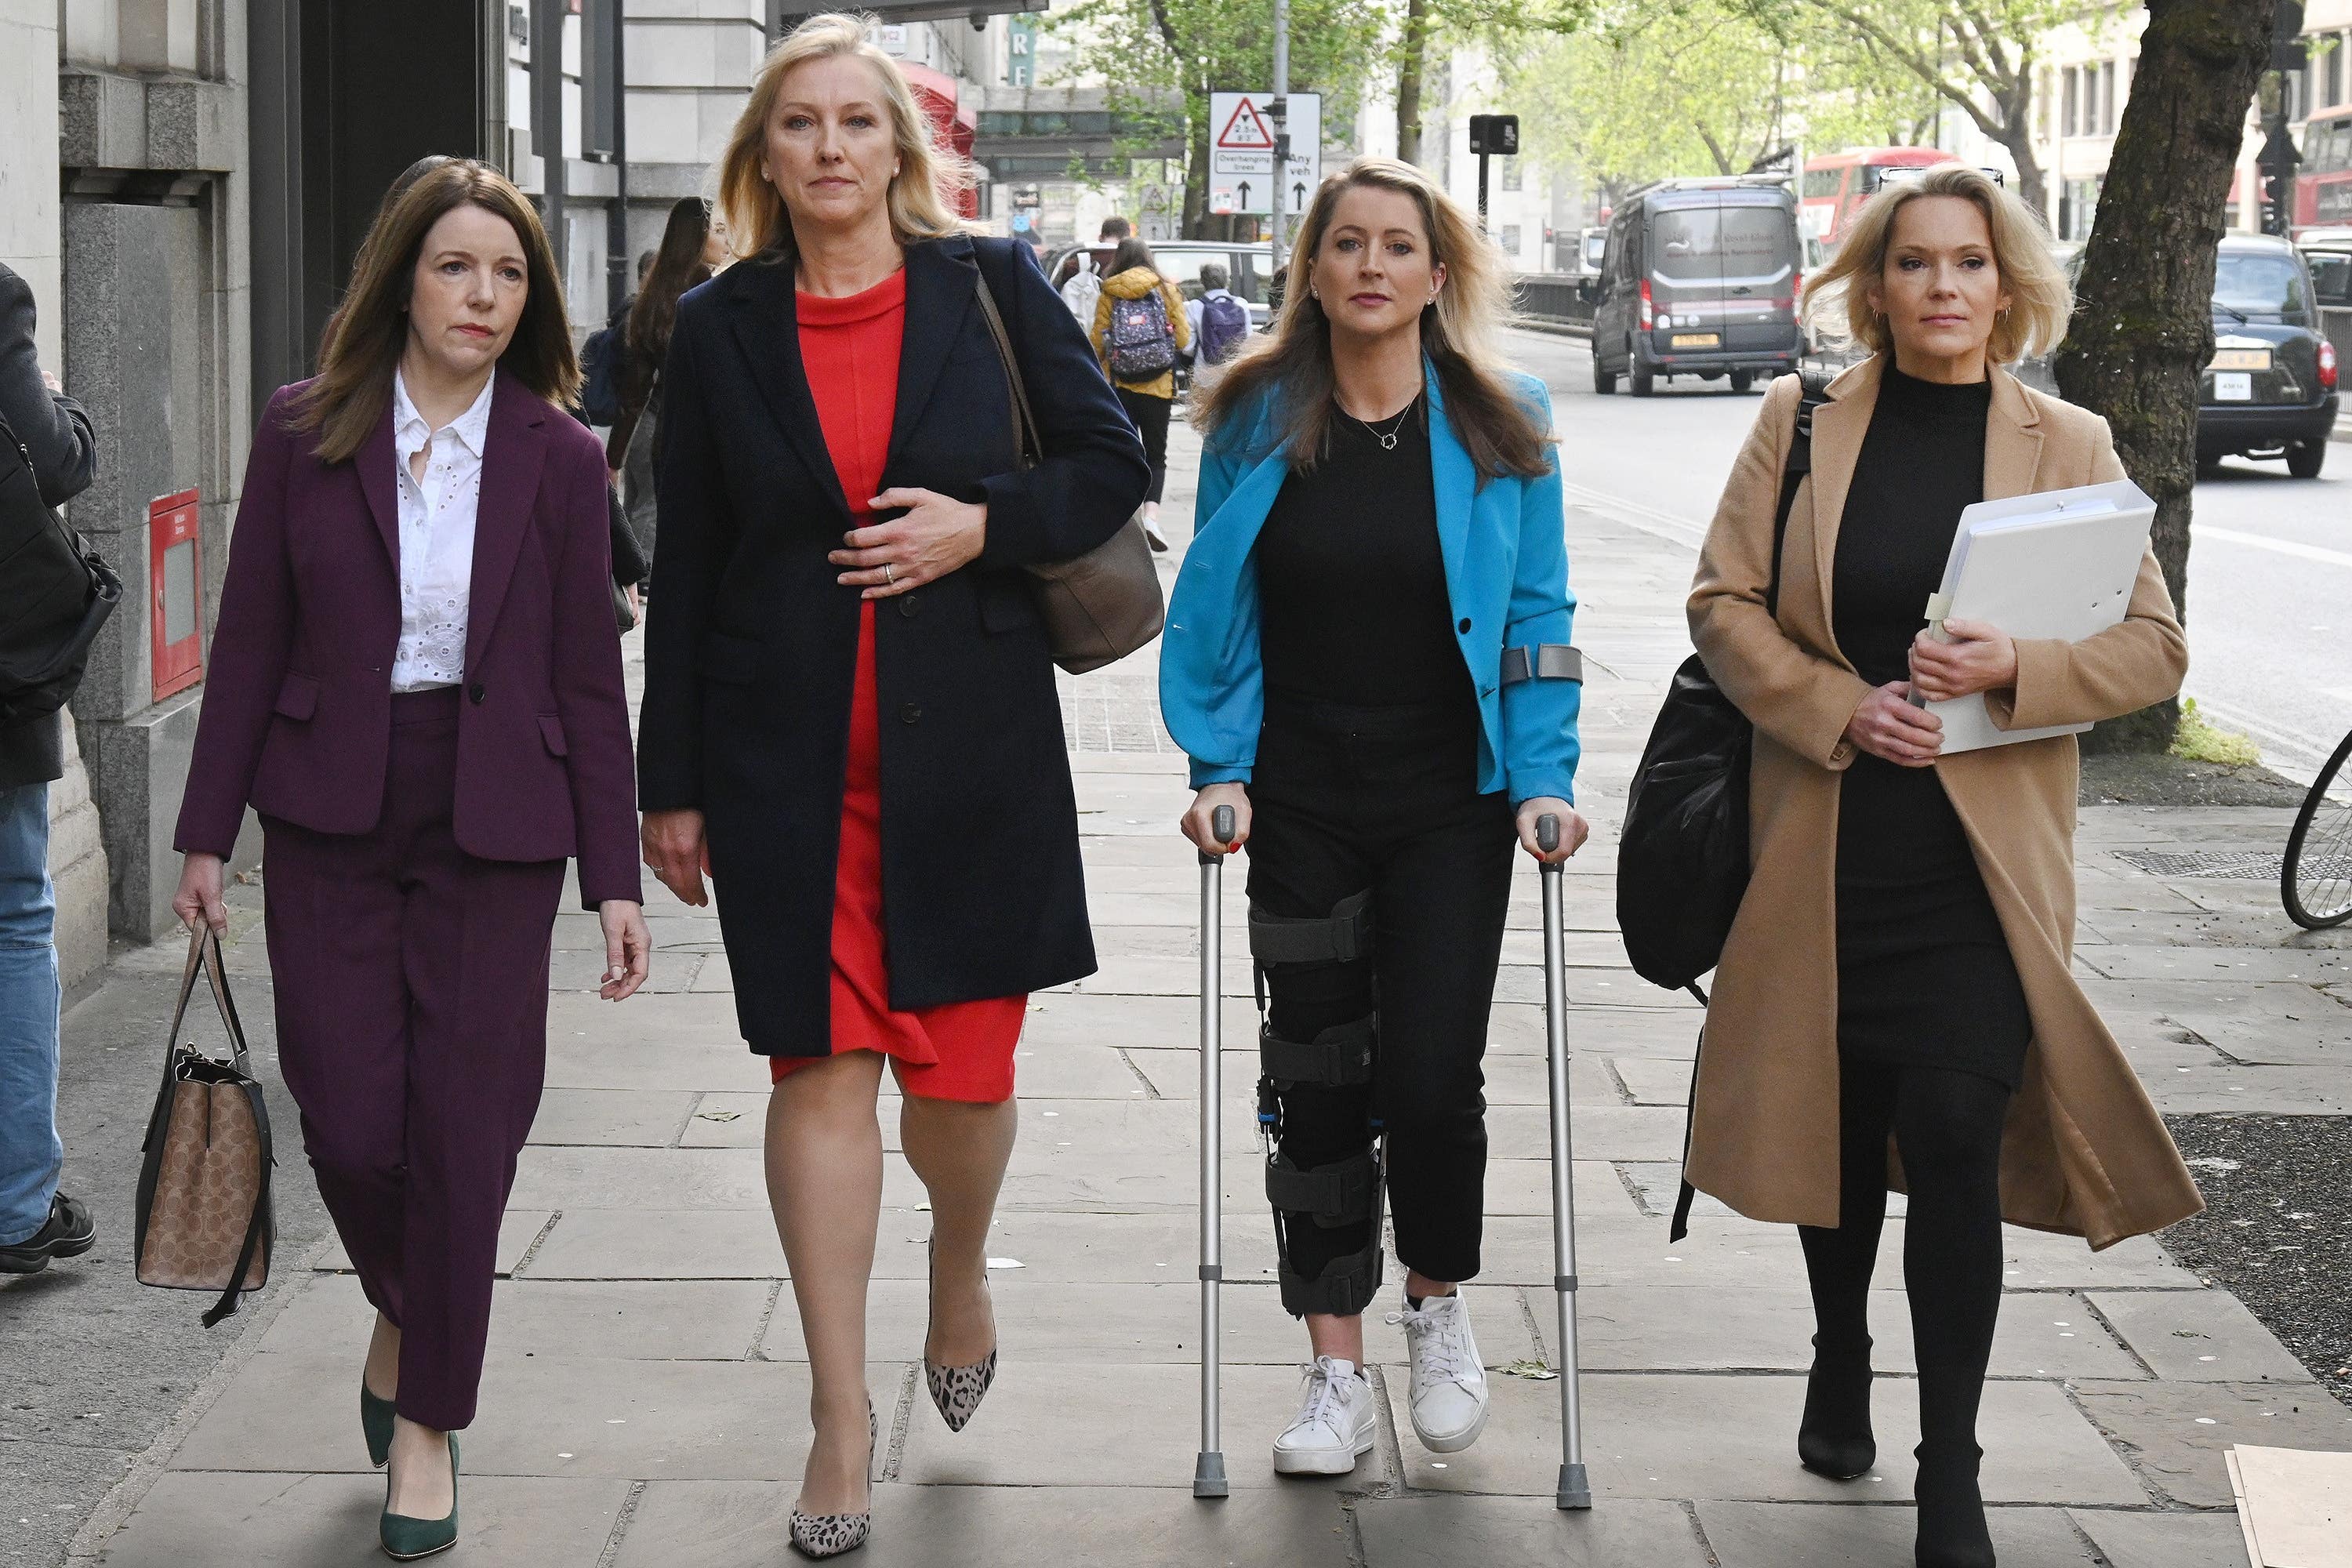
(2144, 329)
(1196, 175)
(1416, 47)
(2017, 135)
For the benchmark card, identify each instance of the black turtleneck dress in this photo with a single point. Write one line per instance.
(1925, 976)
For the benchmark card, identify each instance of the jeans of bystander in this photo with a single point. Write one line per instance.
(31, 1154)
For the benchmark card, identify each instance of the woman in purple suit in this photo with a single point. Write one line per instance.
(415, 682)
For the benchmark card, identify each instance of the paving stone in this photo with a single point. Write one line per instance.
(669, 1319)
(725, 1118)
(2174, 1432)
(660, 1244)
(2204, 1336)
(1652, 1080)
(648, 1117)
(1682, 1436)
(2153, 1540)
(1045, 1322)
(517, 1230)
(1095, 1425)
(1633, 1327)
(713, 1524)
(619, 1418)
(191, 1520)
(1814, 1535)
(1449, 1531)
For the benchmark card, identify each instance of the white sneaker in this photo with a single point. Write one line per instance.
(1449, 1382)
(1334, 1427)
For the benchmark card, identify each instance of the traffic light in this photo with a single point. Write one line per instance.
(1497, 134)
(2277, 167)
(2287, 50)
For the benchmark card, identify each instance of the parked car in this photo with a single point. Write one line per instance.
(1698, 278)
(2269, 390)
(1247, 268)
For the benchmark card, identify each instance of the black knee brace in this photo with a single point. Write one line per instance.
(1346, 1192)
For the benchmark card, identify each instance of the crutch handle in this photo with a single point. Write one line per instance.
(1547, 833)
(1221, 831)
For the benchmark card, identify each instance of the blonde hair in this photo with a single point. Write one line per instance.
(1292, 362)
(2041, 301)
(929, 175)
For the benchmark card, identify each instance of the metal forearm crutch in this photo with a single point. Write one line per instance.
(1575, 1490)
(1209, 1468)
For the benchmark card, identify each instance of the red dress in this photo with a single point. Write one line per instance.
(963, 1050)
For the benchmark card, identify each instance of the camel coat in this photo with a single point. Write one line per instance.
(2084, 1153)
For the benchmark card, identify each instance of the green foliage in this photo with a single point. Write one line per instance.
(1706, 87)
(2200, 741)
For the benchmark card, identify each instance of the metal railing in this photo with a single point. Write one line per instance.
(1555, 297)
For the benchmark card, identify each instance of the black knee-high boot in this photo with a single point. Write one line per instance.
(1835, 1439)
(1948, 1128)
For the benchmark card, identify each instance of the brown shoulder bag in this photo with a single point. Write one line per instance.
(1100, 607)
(204, 1217)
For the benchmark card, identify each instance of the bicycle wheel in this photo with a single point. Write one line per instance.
(2316, 873)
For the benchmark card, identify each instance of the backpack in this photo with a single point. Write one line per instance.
(600, 371)
(1079, 294)
(59, 595)
(1224, 322)
(1142, 340)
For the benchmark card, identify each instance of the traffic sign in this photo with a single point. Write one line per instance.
(1241, 151)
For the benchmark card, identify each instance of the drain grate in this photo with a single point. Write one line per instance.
(2222, 865)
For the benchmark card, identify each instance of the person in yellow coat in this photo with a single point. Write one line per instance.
(1139, 332)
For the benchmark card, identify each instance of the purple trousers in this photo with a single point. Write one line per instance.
(412, 1031)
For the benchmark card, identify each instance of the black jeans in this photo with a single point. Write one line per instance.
(1149, 414)
(1346, 799)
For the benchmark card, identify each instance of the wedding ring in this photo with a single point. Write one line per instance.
(889, 576)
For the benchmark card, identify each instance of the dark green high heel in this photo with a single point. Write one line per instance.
(404, 1540)
(375, 1424)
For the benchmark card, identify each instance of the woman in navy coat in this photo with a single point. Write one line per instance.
(850, 717)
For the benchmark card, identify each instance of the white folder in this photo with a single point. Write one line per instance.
(2058, 565)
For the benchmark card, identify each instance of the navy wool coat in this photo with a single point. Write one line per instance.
(751, 642)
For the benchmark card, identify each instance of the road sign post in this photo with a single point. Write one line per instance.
(1489, 134)
(1281, 120)
(1242, 150)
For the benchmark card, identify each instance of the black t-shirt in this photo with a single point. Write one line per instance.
(1352, 583)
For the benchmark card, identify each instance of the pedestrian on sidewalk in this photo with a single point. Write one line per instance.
(38, 1222)
(850, 720)
(1903, 951)
(693, 247)
(1381, 564)
(1220, 327)
(1080, 286)
(1140, 330)
(417, 682)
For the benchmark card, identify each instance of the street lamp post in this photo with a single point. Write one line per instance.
(1280, 109)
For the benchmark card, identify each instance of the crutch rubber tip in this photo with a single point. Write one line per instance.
(1575, 1492)
(1209, 1476)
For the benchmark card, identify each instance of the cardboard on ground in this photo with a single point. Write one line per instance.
(2058, 566)
(1241, 151)
(2294, 1506)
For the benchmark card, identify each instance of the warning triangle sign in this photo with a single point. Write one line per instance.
(1245, 130)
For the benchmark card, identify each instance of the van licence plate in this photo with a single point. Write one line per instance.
(1697, 340)
(2234, 386)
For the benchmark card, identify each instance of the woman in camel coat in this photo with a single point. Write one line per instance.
(2078, 1147)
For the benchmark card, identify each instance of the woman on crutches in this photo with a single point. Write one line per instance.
(1367, 660)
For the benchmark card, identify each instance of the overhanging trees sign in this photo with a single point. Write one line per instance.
(1241, 151)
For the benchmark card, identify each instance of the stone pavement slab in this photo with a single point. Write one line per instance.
(2172, 1540)
(1423, 1530)
(2174, 1432)
(2197, 1336)
(210, 1519)
(1801, 1535)
(660, 1320)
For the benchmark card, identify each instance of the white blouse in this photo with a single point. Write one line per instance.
(436, 537)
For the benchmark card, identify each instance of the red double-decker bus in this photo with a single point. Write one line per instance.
(1837, 183)
(2323, 181)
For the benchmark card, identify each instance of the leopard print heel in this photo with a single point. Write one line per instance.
(958, 1390)
(831, 1534)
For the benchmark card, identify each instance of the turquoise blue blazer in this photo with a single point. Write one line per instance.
(1506, 549)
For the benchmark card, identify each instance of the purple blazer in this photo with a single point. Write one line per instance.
(297, 701)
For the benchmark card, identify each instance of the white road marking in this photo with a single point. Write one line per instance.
(2283, 546)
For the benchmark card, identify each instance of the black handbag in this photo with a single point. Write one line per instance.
(59, 594)
(1682, 861)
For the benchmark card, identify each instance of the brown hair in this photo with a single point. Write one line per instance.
(2040, 300)
(1293, 363)
(347, 399)
(928, 173)
(678, 266)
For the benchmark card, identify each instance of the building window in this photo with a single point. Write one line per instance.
(2047, 87)
(1511, 176)
(1509, 239)
(2107, 97)
(2073, 101)
(2331, 70)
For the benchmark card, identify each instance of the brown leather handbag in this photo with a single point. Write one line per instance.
(1100, 607)
(205, 1216)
